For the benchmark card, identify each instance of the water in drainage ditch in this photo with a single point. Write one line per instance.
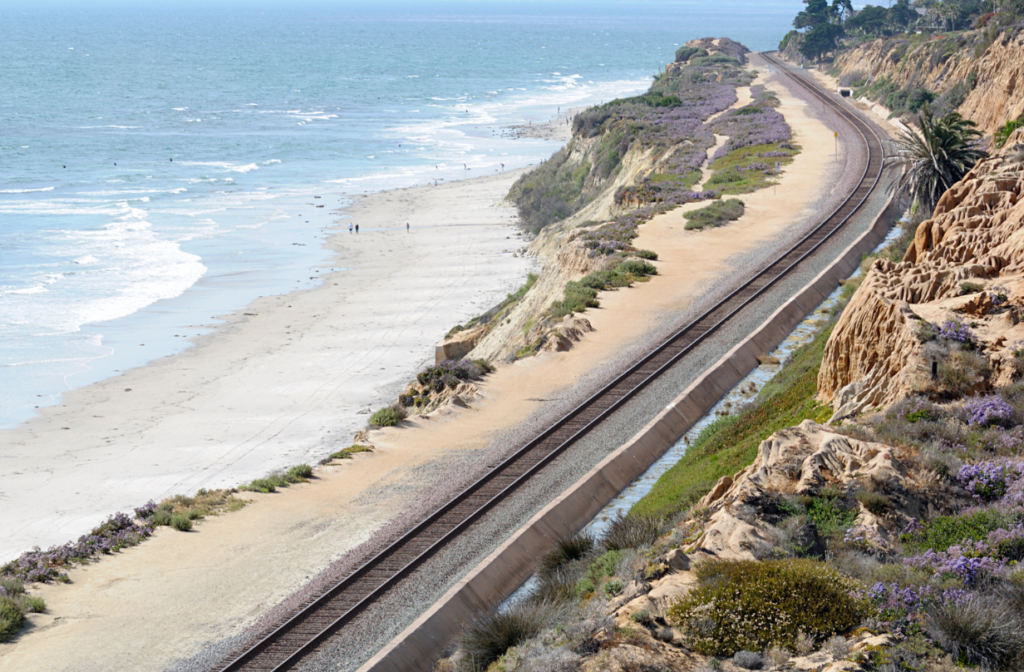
(743, 392)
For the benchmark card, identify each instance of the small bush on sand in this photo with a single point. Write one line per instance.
(484, 366)
(301, 472)
(11, 586)
(777, 656)
(181, 522)
(753, 605)
(32, 605)
(632, 530)
(748, 660)
(577, 298)
(566, 550)
(838, 647)
(388, 416)
(718, 213)
(637, 267)
(203, 503)
(649, 255)
(264, 485)
(978, 630)
(490, 637)
(347, 453)
(11, 618)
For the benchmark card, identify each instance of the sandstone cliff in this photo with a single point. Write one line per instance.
(983, 81)
(964, 270)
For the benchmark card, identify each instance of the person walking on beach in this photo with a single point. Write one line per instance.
(350, 227)
(357, 228)
(407, 227)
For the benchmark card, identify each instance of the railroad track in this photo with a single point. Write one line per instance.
(327, 615)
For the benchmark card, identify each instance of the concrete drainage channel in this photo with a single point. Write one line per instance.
(499, 575)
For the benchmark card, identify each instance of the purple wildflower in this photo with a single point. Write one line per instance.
(988, 410)
(955, 330)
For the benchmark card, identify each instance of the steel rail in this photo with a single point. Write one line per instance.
(277, 651)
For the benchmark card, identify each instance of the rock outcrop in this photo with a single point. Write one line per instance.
(974, 241)
(741, 511)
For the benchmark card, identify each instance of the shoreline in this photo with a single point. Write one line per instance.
(281, 540)
(138, 408)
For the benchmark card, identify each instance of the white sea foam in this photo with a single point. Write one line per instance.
(24, 191)
(245, 168)
(119, 269)
(38, 289)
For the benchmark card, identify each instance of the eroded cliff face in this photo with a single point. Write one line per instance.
(563, 258)
(526, 326)
(993, 76)
(965, 267)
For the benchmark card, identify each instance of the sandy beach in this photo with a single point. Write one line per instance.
(288, 383)
(286, 380)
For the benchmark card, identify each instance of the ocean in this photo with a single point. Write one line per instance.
(163, 163)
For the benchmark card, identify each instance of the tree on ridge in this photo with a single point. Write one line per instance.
(936, 158)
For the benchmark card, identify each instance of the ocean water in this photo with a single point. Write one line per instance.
(160, 162)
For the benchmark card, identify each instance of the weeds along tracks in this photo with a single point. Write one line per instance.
(328, 615)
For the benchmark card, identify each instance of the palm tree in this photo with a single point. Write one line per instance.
(936, 158)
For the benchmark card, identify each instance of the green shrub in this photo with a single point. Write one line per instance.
(875, 502)
(566, 550)
(717, 214)
(495, 633)
(684, 53)
(389, 416)
(632, 530)
(12, 585)
(830, 515)
(979, 631)
(971, 288)
(181, 522)
(483, 364)
(962, 370)
(637, 267)
(162, 517)
(32, 605)
(752, 605)
(347, 453)
(944, 531)
(301, 472)
(11, 618)
(643, 617)
(1003, 134)
(597, 570)
(606, 279)
(578, 298)
(650, 255)
(614, 587)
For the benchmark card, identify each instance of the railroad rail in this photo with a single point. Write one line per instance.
(327, 615)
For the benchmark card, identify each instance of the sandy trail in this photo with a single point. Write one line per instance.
(179, 591)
